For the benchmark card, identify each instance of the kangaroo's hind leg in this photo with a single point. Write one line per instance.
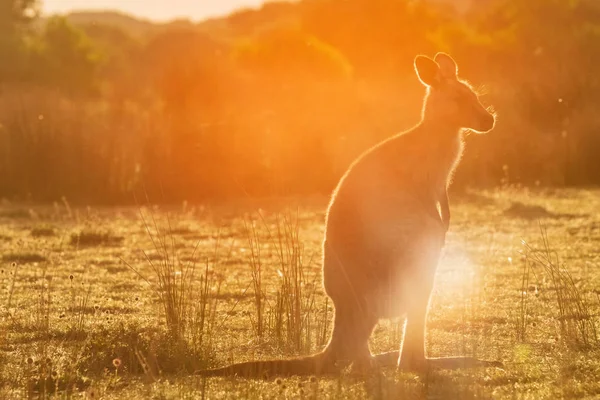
(348, 287)
(349, 342)
(412, 351)
(411, 356)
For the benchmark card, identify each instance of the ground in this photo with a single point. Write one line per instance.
(129, 302)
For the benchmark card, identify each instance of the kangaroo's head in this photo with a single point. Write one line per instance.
(450, 100)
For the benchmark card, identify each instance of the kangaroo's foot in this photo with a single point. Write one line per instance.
(364, 365)
(407, 363)
(416, 364)
(420, 364)
(461, 362)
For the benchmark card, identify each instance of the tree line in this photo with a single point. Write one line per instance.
(279, 100)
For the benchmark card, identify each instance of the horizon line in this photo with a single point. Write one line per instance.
(155, 14)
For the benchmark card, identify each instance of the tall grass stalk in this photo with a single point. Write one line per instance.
(256, 268)
(188, 302)
(79, 306)
(292, 319)
(296, 305)
(11, 287)
(203, 315)
(575, 320)
(43, 303)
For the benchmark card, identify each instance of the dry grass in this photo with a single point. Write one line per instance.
(79, 320)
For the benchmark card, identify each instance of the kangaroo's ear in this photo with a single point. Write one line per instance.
(428, 70)
(448, 67)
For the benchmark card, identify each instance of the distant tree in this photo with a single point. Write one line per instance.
(289, 53)
(557, 41)
(182, 67)
(16, 14)
(122, 69)
(64, 57)
(15, 17)
(294, 76)
(246, 22)
(190, 74)
(379, 37)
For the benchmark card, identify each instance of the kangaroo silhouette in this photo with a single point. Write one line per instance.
(386, 226)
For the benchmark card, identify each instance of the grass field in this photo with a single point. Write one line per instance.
(126, 303)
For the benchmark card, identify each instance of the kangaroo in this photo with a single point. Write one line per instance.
(385, 230)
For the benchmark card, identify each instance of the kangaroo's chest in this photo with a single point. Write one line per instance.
(439, 164)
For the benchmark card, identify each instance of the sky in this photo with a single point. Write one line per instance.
(157, 10)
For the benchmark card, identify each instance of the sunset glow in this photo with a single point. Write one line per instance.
(158, 10)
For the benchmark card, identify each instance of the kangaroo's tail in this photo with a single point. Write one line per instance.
(312, 365)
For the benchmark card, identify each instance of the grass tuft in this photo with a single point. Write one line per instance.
(23, 258)
(188, 297)
(43, 231)
(293, 319)
(573, 311)
(95, 238)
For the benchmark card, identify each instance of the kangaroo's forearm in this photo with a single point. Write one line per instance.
(445, 210)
